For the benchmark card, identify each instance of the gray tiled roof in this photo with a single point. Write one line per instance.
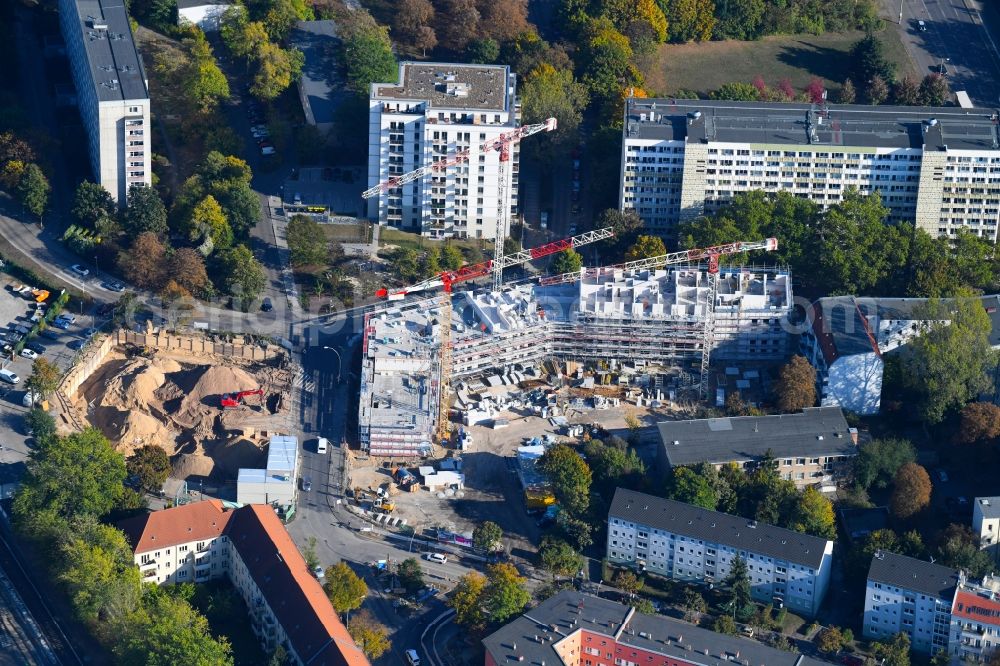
(716, 527)
(569, 611)
(913, 574)
(115, 67)
(839, 127)
(819, 431)
(989, 506)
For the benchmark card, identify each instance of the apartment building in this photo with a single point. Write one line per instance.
(249, 546)
(810, 448)
(975, 620)
(689, 543)
(436, 111)
(575, 629)
(908, 595)
(986, 523)
(111, 91)
(936, 167)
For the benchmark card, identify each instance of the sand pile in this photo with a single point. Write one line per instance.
(196, 463)
(134, 387)
(231, 456)
(139, 429)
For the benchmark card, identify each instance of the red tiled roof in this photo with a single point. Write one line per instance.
(297, 599)
(970, 606)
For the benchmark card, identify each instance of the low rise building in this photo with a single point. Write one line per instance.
(986, 523)
(248, 546)
(907, 595)
(205, 14)
(275, 484)
(975, 620)
(689, 543)
(576, 629)
(810, 447)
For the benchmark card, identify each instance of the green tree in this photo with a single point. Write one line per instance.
(76, 475)
(208, 222)
(607, 56)
(627, 582)
(977, 264)
(467, 599)
(307, 244)
(933, 90)
(736, 91)
(558, 558)
(505, 594)
(689, 487)
(958, 547)
(168, 631)
(345, 588)
(645, 247)
(737, 590)
(614, 466)
(570, 478)
(277, 69)
(244, 274)
(411, 576)
(33, 189)
(575, 530)
(242, 36)
(911, 492)
(125, 309)
(694, 605)
(44, 379)
(145, 212)
(626, 226)
(948, 365)
(933, 270)
(203, 81)
(486, 536)
(895, 652)
(848, 93)
(878, 460)
(830, 640)
(546, 93)
(92, 204)
(868, 61)
(41, 426)
(644, 606)
(485, 51)
(98, 571)
(367, 56)
(739, 19)
(877, 90)
(370, 635)
(906, 92)
(814, 515)
(642, 19)
(690, 20)
(796, 385)
(282, 15)
(567, 261)
(451, 258)
(151, 464)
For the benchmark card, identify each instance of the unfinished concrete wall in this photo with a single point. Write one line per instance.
(93, 357)
(197, 345)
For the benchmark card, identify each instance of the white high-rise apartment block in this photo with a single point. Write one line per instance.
(435, 111)
(111, 90)
(689, 543)
(936, 167)
(912, 596)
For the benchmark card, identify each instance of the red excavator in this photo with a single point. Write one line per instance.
(234, 400)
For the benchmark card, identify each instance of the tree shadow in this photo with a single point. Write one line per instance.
(826, 63)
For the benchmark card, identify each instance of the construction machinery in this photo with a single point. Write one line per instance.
(236, 400)
(712, 254)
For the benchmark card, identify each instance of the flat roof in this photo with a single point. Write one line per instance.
(717, 527)
(115, 65)
(318, 86)
(450, 86)
(571, 612)
(282, 452)
(815, 431)
(913, 574)
(818, 127)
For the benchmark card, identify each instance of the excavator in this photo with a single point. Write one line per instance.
(235, 400)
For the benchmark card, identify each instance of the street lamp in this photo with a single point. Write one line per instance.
(340, 361)
(900, 12)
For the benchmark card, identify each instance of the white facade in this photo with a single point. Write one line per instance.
(436, 111)
(112, 93)
(986, 523)
(206, 16)
(275, 484)
(890, 610)
(190, 562)
(934, 167)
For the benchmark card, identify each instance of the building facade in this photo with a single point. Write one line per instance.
(975, 621)
(986, 523)
(275, 484)
(689, 543)
(936, 167)
(810, 448)
(436, 111)
(575, 629)
(112, 92)
(249, 546)
(911, 596)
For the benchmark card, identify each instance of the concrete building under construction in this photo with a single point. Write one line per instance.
(642, 318)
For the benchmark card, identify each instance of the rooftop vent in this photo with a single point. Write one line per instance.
(819, 437)
(99, 24)
(931, 122)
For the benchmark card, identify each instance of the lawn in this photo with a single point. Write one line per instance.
(703, 67)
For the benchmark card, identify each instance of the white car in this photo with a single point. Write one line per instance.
(437, 557)
(9, 377)
(29, 354)
(80, 270)
(66, 317)
(267, 150)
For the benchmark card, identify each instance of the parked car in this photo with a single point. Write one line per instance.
(266, 305)
(114, 286)
(106, 310)
(88, 333)
(35, 347)
(267, 150)
(440, 558)
(921, 26)
(318, 571)
(412, 657)
(307, 483)
(9, 377)
(77, 345)
(80, 270)
(65, 316)
(63, 324)
(942, 475)
(29, 354)
(50, 334)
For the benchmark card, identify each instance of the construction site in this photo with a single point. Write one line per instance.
(213, 413)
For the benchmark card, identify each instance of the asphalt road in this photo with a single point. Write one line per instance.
(958, 39)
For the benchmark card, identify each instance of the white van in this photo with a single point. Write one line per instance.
(412, 657)
(321, 444)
